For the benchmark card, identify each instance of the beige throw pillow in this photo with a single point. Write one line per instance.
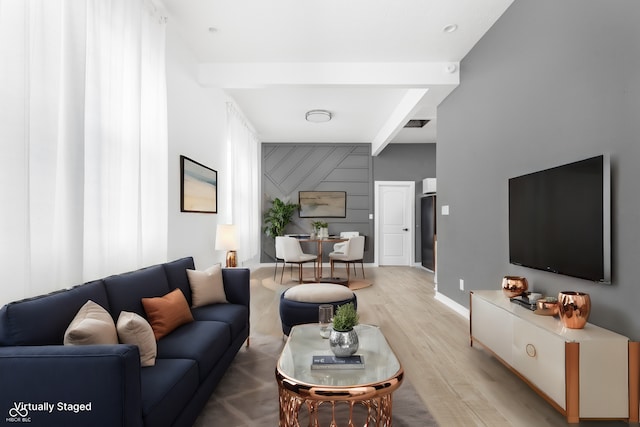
(134, 329)
(92, 325)
(206, 286)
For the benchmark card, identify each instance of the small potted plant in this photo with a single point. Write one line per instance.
(321, 228)
(343, 340)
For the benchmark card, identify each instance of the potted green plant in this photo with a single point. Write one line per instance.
(345, 318)
(321, 228)
(278, 216)
(343, 340)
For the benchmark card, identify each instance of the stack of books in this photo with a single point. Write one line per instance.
(333, 362)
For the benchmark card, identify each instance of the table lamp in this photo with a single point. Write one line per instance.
(226, 241)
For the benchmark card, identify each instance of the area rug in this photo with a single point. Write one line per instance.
(247, 395)
(354, 284)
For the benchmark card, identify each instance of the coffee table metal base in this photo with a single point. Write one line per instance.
(378, 401)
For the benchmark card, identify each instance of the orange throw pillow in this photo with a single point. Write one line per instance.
(167, 313)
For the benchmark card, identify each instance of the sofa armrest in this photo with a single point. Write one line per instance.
(236, 285)
(97, 385)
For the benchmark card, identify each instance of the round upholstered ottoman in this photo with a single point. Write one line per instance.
(299, 304)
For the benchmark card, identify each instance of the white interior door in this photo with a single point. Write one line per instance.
(395, 212)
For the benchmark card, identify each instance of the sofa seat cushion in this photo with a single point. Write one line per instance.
(235, 315)
(167, 387)
(202, 341)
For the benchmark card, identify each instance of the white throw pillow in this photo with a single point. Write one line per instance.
(91, 325)
(134, 329)
(206, 286)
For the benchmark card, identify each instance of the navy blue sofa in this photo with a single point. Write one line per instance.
(47, 383)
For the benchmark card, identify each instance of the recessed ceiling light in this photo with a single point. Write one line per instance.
(318, 116)
(450, 28)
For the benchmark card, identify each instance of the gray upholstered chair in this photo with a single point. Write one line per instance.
(354, 253)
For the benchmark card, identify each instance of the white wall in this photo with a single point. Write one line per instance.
(197, 129)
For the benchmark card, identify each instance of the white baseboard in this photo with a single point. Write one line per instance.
(419, 265)
(460, 309)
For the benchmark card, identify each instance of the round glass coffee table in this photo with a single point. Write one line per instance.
(303, 389)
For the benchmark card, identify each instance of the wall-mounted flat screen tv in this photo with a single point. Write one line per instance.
(560, 219)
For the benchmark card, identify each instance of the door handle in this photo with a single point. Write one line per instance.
(405, 229)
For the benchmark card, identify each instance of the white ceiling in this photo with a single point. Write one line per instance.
(373, 63)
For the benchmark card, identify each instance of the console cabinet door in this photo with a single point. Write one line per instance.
(540, 357)
(492, 327)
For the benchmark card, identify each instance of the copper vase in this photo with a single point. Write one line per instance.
(512, 286)
(574, 309)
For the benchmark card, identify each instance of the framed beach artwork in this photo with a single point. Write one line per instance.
(198, 187)
(327, 204)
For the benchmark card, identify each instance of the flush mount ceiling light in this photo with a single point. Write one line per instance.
(318, 116)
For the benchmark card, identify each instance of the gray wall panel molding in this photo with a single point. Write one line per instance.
(290, 168)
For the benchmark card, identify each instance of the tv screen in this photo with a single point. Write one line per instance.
(560, 220)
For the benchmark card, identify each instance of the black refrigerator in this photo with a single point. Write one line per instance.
(428, 227)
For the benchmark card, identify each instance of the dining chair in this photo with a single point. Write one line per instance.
(342, 246)
(279, 255)
(354, 253)
(293, 254)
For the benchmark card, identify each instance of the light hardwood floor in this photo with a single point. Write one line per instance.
(460, 385)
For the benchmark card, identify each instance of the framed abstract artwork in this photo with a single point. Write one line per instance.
(198, 187)
(326, 204)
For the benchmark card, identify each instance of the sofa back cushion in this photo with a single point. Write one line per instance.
(125, 291)
(177, 275)
(43, 320)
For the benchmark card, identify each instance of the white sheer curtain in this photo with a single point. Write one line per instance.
(84, 146)
(243, 148)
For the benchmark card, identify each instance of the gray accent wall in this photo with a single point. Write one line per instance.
(407, 162)
(550, 83)
(290, 168)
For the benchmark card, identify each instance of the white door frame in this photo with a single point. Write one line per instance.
(377, 225)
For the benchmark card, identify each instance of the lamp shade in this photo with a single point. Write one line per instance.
(226, 237)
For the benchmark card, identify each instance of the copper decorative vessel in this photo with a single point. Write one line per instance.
(574, 309)
(512, 286)
(547, 306)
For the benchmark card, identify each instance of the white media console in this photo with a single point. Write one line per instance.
(589, 373)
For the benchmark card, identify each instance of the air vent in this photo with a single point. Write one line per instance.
(416, 123)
